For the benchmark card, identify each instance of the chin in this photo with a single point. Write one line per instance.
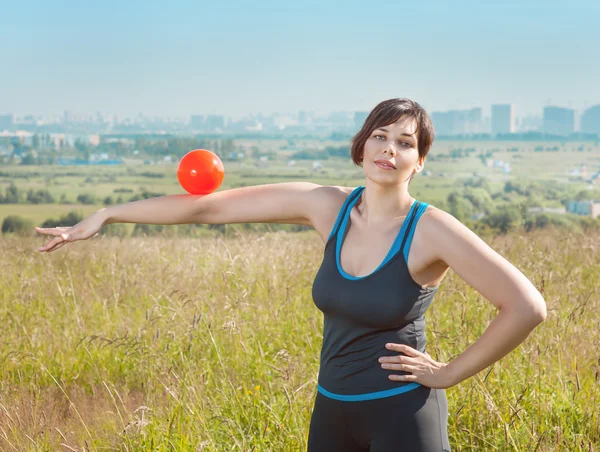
(387, 180)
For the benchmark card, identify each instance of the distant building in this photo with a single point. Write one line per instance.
(94, 140)
(528, 123)
(100, 156)
(457, 122)
(305, 117)
(559, 121)
(215, 123)
(590, 120)
(503, 119)
(197, 122)
(19, 138)
(587, 208)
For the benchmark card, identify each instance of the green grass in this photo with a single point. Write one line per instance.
(213, 344)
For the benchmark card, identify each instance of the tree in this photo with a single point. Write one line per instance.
(41, 196)
(28, 159)
(86, 198)
(69, 219)
(80, 145)
(505, 219)
(13, 194)
(17, 225)
(459, 207)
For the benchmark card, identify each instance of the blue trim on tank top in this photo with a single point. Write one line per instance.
(391, 253)
(420, 211)
(368, 395)
(341, 212)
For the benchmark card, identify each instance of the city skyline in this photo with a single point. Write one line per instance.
(237, 58)
(486, 112)
(554, 121)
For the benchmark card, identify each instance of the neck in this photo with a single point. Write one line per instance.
(382, 204)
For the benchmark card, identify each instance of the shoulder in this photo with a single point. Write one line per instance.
(435, 220)
(449, 237)
(330, 195)
(326, 203)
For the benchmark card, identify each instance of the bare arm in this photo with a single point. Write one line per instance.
(520, 304)
(290, 202)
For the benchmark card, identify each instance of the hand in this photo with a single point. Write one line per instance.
(422, 367)
(81, 231)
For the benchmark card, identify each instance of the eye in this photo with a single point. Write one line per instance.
(375, 136)
(406, 144)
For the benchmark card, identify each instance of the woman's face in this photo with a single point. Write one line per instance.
(391, 155)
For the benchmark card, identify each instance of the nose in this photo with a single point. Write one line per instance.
(390, 149)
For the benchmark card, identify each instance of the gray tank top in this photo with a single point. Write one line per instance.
(362, 314)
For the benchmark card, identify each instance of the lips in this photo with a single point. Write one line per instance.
(385, 163)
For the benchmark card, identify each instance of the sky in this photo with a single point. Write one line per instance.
(235, 58)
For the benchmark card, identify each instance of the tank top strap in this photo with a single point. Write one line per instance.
(342, 213)
(419, 210)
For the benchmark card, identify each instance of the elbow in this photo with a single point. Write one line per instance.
(530, 311)
(537, 310)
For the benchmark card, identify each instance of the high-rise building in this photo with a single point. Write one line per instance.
(472, 122)
(530, 123)
(305, 117)
(197, 122)
(214, 122)
(457, 122)
(503, 118)
(590, 120)
(559, 121)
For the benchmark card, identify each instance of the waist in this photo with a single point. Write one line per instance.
(368, 395)
(345, 379)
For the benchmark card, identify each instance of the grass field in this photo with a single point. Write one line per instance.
(213, 344)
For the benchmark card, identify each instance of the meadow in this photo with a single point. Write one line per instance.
(213, 344)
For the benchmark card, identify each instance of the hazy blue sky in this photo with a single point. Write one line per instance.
(176, 58)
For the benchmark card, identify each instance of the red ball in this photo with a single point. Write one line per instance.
(200, 172)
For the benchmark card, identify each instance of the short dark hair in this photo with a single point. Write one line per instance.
(388, 112)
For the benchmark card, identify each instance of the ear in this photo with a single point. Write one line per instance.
(420, 165)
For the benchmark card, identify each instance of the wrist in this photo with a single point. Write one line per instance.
(452, 375)
(103, 215)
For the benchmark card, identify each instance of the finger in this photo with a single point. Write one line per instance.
(59, 246)
(403, 349)
(52, 244)
(55, 247)
(400, 359)
(52, 231)
(409, 377)
(402, 367)
(57, 228)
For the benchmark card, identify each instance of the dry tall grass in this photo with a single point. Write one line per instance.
(213, 344)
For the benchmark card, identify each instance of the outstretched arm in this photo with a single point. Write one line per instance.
(289, 202)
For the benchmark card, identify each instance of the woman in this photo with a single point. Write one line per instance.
(378, 389)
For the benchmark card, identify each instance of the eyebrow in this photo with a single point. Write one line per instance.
(411, 135)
